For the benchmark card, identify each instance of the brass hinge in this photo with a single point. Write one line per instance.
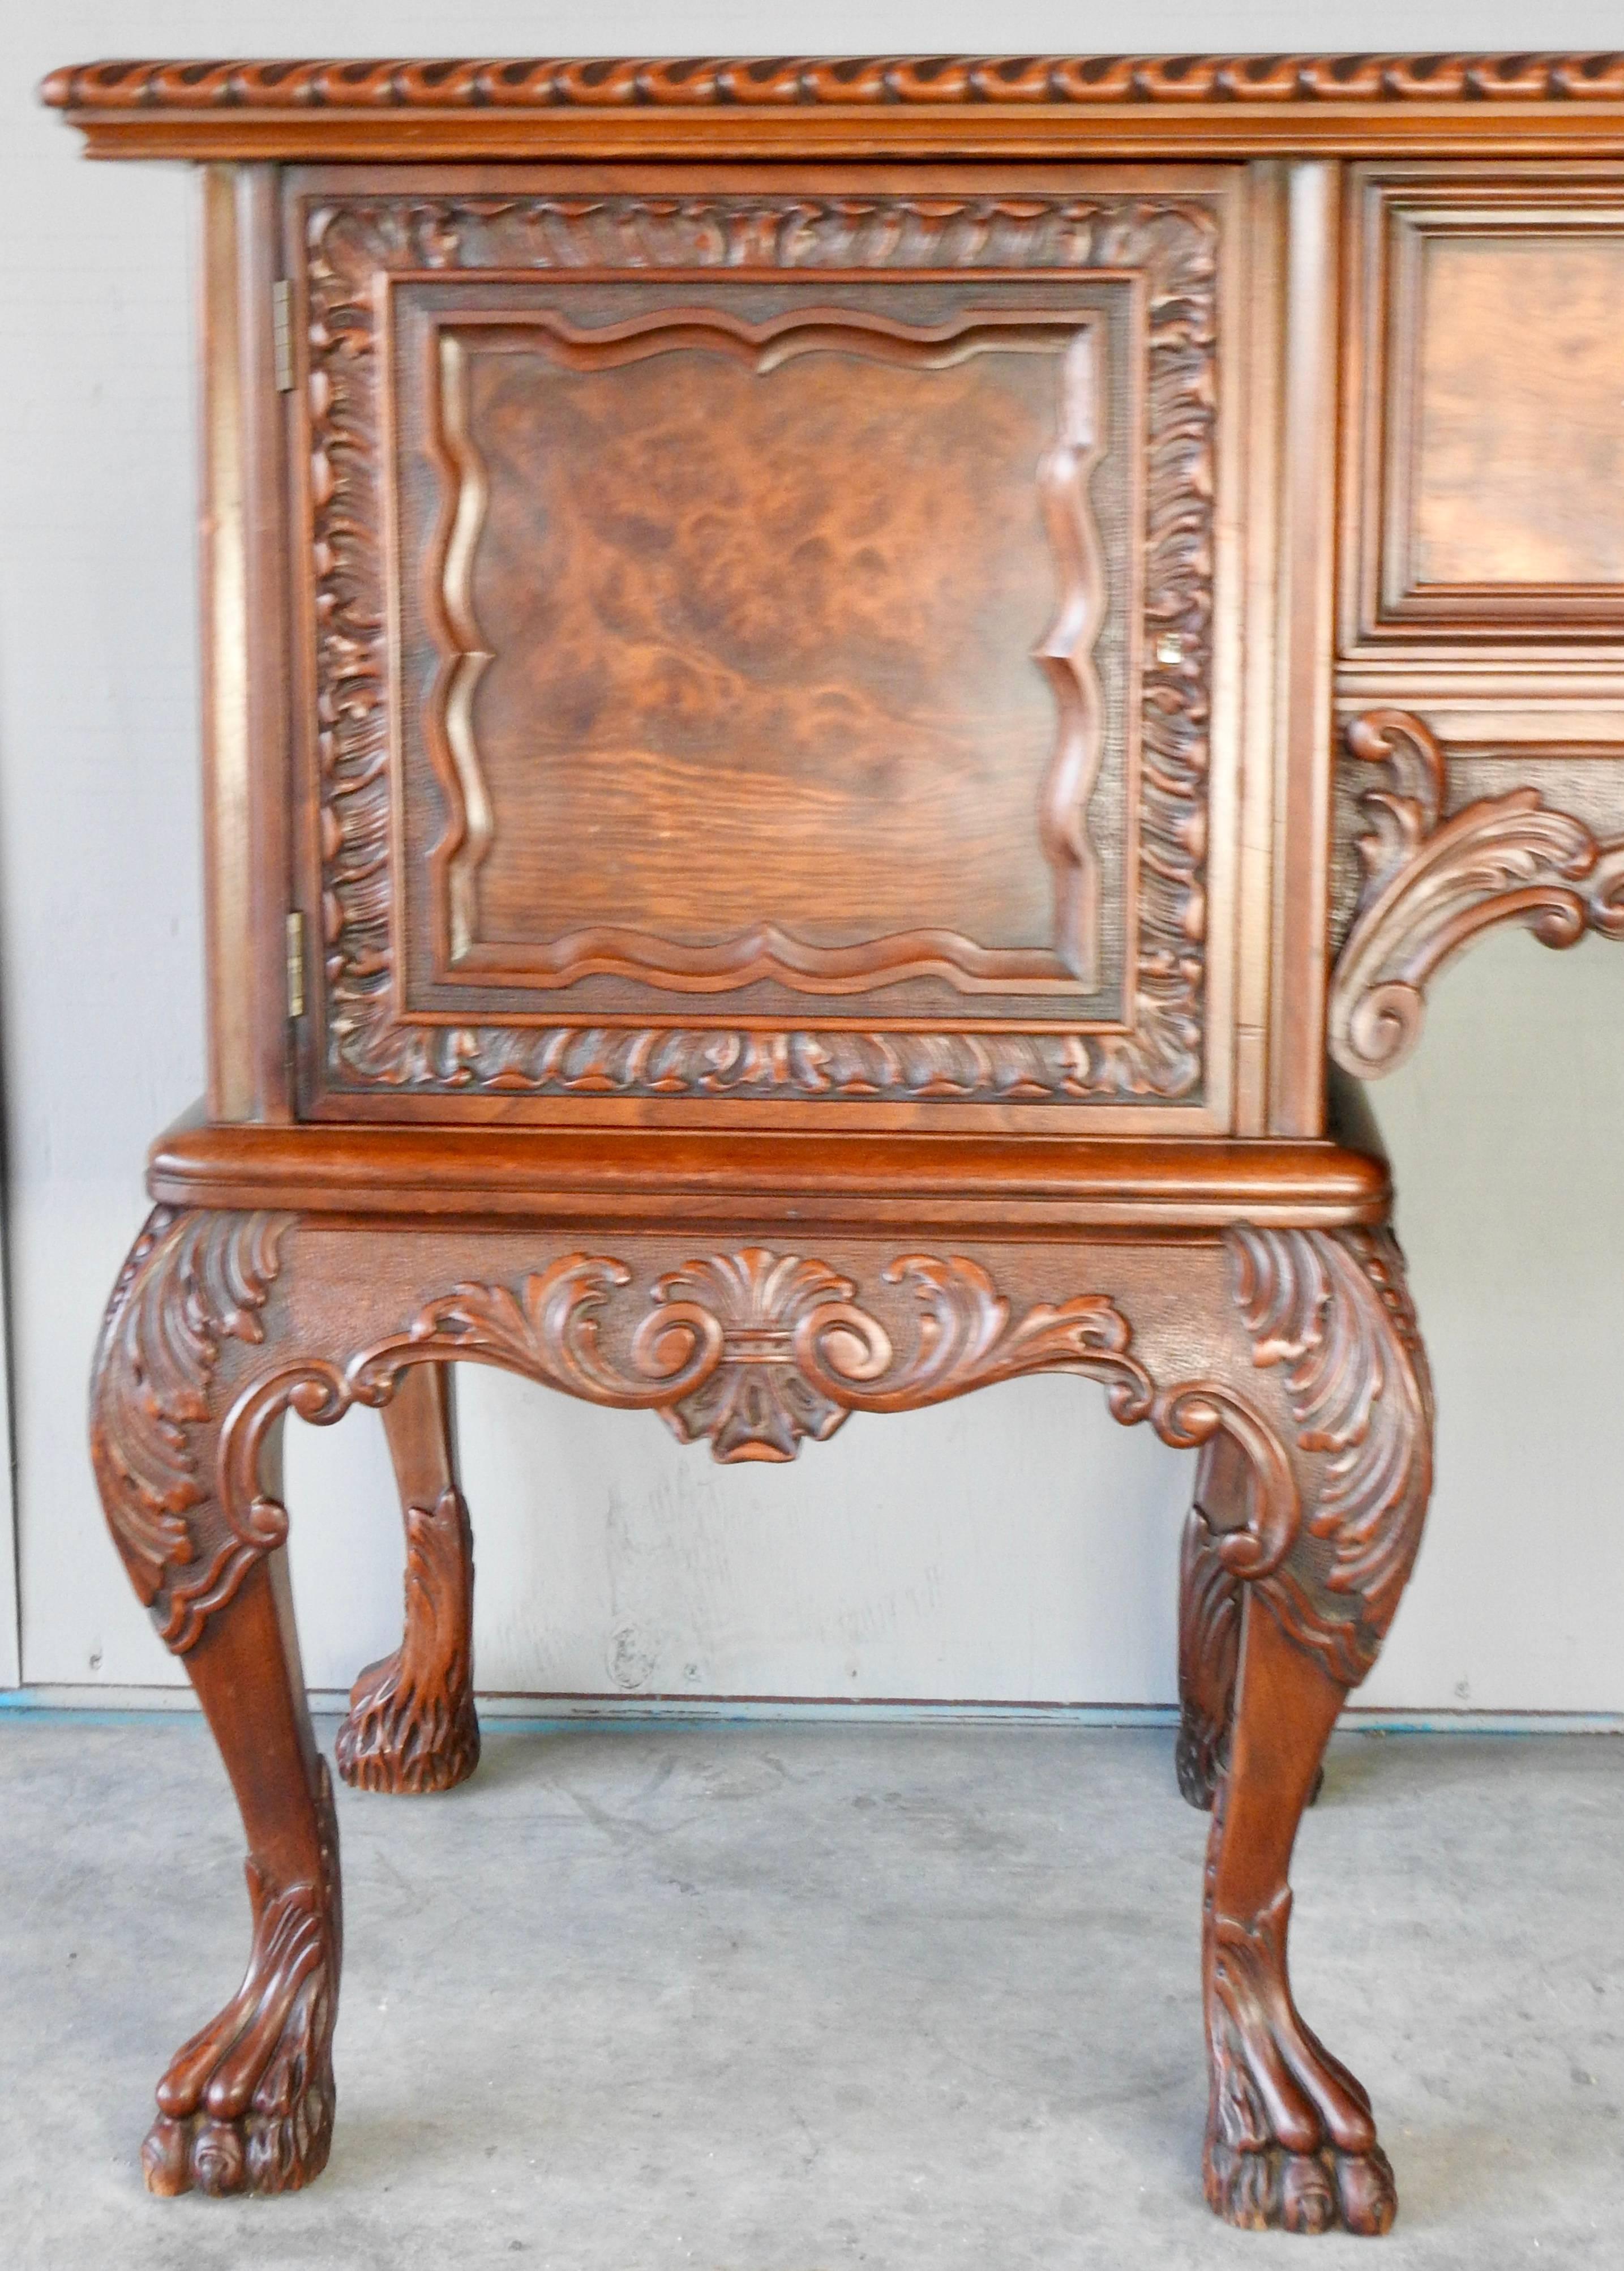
(295, 965)
(282, 334)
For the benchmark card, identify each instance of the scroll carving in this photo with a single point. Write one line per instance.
(756, 1352)
(1434, 883)
(751, 1350)
(1332, 1308)
(723, 81)
(1172, 242)
(192, 1282)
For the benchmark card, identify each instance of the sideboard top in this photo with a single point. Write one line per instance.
(809, 107)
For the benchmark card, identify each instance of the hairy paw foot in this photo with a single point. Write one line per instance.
(1310, 2192)
(1290, 2140)
(399, 1738)
(247, 2106)
(412, 1724)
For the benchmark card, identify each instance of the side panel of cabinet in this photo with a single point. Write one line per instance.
(770, 650)
(246, 672)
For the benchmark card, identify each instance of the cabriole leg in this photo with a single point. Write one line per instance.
(247, 2105)
(1322, 1552)
(413, 1725)
(1290, 2140)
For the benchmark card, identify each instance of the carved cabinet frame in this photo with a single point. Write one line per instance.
(758, 1220)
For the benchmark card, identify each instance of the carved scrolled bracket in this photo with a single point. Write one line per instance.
(1332, 1308)
(193, 1282)
(1433, 884)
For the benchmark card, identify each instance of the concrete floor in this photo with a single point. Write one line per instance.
(778, 1999)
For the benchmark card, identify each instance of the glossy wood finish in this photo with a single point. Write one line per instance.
(1298, 1345)
(1479, 508)
(992, 1185)
(411, 1723)
(808, 107)
(247, 2104)
(860, 744)
(901, 721)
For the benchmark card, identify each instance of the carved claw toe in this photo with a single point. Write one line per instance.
(247, 2105)
(1291, 2141)
(1307, 2192)
(1366, 2192)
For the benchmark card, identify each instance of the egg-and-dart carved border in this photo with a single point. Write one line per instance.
(1433, 882)
(1172, 241)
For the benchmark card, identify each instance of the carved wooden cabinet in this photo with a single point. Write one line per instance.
(830, 687)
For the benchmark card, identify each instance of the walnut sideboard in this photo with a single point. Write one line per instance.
(832, 688)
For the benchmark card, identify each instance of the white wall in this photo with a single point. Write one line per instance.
(1018, 1545)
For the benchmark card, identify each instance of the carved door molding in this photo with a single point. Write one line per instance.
(366, 1039)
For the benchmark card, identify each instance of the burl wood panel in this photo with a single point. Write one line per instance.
(744, 714)
(1519, 438)
(1485, 448)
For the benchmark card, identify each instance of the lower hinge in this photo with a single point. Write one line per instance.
(295, 965)
(282, 334)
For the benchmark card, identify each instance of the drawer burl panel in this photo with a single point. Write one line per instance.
(1485, 443)
(763, 644)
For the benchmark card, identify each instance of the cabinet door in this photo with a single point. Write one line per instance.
(770, 643)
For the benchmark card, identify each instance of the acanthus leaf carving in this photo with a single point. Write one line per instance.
(756, 1352)
(192, 1282)
(1209, 1655)
(1434, 883)
(1173, 241)
(1332, 1308)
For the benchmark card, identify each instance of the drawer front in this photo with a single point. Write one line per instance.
(765, 644)
(1485, 460)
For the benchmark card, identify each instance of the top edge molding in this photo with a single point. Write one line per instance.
(602, 83)
(864, 106)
